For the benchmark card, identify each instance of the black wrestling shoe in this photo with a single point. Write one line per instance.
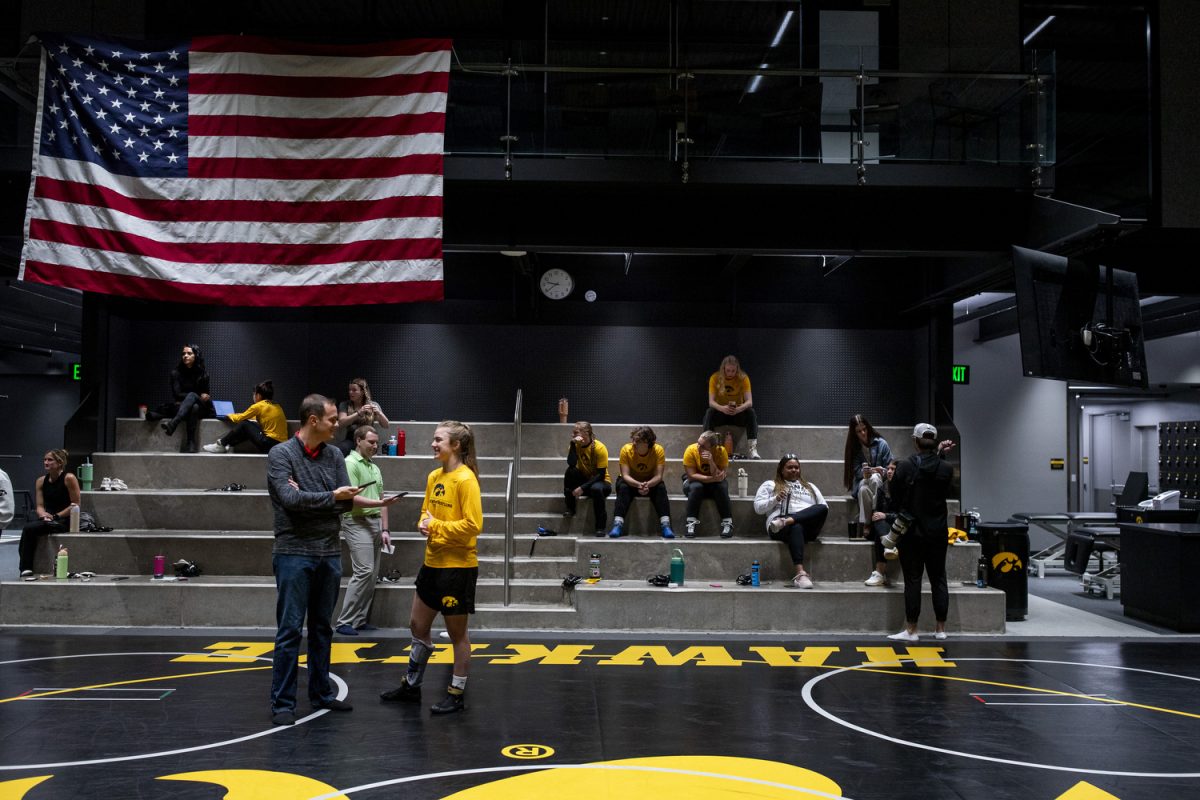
(404, 693)
(453, 701)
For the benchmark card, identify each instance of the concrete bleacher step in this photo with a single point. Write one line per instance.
(631, 605)
(546, 474)
(550, 439)
(233, 511)
(228, 534)
(830, 607)
(248, 553)
(171, 471)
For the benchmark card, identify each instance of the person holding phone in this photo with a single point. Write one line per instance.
(357, 411)
(310, 490)
(865, 462)
(451, 519)
(365, 531)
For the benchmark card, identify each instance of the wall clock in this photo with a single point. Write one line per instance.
(556, 283)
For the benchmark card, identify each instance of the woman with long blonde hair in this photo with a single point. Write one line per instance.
(451, 519)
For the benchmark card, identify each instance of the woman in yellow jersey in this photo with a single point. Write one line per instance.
(730, 402)
(263, 424)
(643, 462)
(451, 518)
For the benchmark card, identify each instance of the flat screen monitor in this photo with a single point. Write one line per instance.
(1078, 321)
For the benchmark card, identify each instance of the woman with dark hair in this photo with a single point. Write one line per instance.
(55, 492)
(866, 458)
(795, 511)
(731, 403)
(191, 401)
(263, 424)
(357, 411)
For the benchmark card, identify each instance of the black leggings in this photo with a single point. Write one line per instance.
(598, 490)
(747, 419)
(189, 410)
(919, 552)
(251, 431)
(627, 493)
(30, 535)
(697, 491)
(806, 528)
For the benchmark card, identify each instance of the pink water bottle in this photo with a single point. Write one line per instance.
(160, 566)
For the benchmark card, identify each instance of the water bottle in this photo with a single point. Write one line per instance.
(754, 568)
(85, 475)
(60, 564)
(74, 518)
(981, 572)
(160, 567)
(743, 482)
(676, 577)
(973, 522)
(391, 445)
(400, 443)
(594, 566)
(729, 444)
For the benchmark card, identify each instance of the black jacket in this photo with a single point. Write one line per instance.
(920, 487)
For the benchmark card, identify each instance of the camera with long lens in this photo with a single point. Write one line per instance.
(899, 528)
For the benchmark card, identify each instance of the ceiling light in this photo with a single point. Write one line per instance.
(755, 81)
(512, 253)
(782, 27)
(1038, 30)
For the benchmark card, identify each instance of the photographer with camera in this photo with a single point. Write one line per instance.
(919, 488)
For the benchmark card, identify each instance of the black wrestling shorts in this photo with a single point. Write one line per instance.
(450, 590)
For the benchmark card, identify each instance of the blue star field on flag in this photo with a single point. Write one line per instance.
(125, 109)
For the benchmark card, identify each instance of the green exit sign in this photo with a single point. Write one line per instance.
(75, 371)
(960, 373)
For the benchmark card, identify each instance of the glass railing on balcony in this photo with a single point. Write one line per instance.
(856, 112)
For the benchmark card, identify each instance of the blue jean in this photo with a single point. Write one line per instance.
(305, 585)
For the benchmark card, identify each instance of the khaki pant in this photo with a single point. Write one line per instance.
(364, 537)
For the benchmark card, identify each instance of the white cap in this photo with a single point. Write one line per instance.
(924, 431)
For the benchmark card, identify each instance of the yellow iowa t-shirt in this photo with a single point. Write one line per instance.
(691, 457)
(643, 468)
(453, 500)
(724, 390)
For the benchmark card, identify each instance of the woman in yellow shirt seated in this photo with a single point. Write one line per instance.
(263, 424)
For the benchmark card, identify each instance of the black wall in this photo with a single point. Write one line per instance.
(625, 374)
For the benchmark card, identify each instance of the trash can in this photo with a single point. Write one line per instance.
(1006, 548)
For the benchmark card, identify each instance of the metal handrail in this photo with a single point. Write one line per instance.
(510, 501)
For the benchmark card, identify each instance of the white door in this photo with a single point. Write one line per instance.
(1111, 458)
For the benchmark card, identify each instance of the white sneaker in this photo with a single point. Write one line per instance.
(754, 453)
(876, 579)
(106, 485)
(777, 524)
(905, 636)
(726, 530)
(118, 485)
(940, 635)
(890, 553)
(802, 581)
(215, 447)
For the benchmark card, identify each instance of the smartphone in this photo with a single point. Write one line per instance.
(394, 494)
(365, 485)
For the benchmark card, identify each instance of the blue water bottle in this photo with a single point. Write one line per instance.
(754, 580)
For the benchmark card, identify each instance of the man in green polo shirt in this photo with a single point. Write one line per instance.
(364, 530)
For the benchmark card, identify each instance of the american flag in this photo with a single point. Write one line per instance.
(239, 170)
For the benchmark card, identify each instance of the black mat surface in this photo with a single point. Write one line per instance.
(168, 717)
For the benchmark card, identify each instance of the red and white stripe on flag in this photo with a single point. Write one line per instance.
(239, 170)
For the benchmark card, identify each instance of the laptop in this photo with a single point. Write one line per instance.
(223, 408)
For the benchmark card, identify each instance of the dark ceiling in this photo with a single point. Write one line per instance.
(597, 181)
